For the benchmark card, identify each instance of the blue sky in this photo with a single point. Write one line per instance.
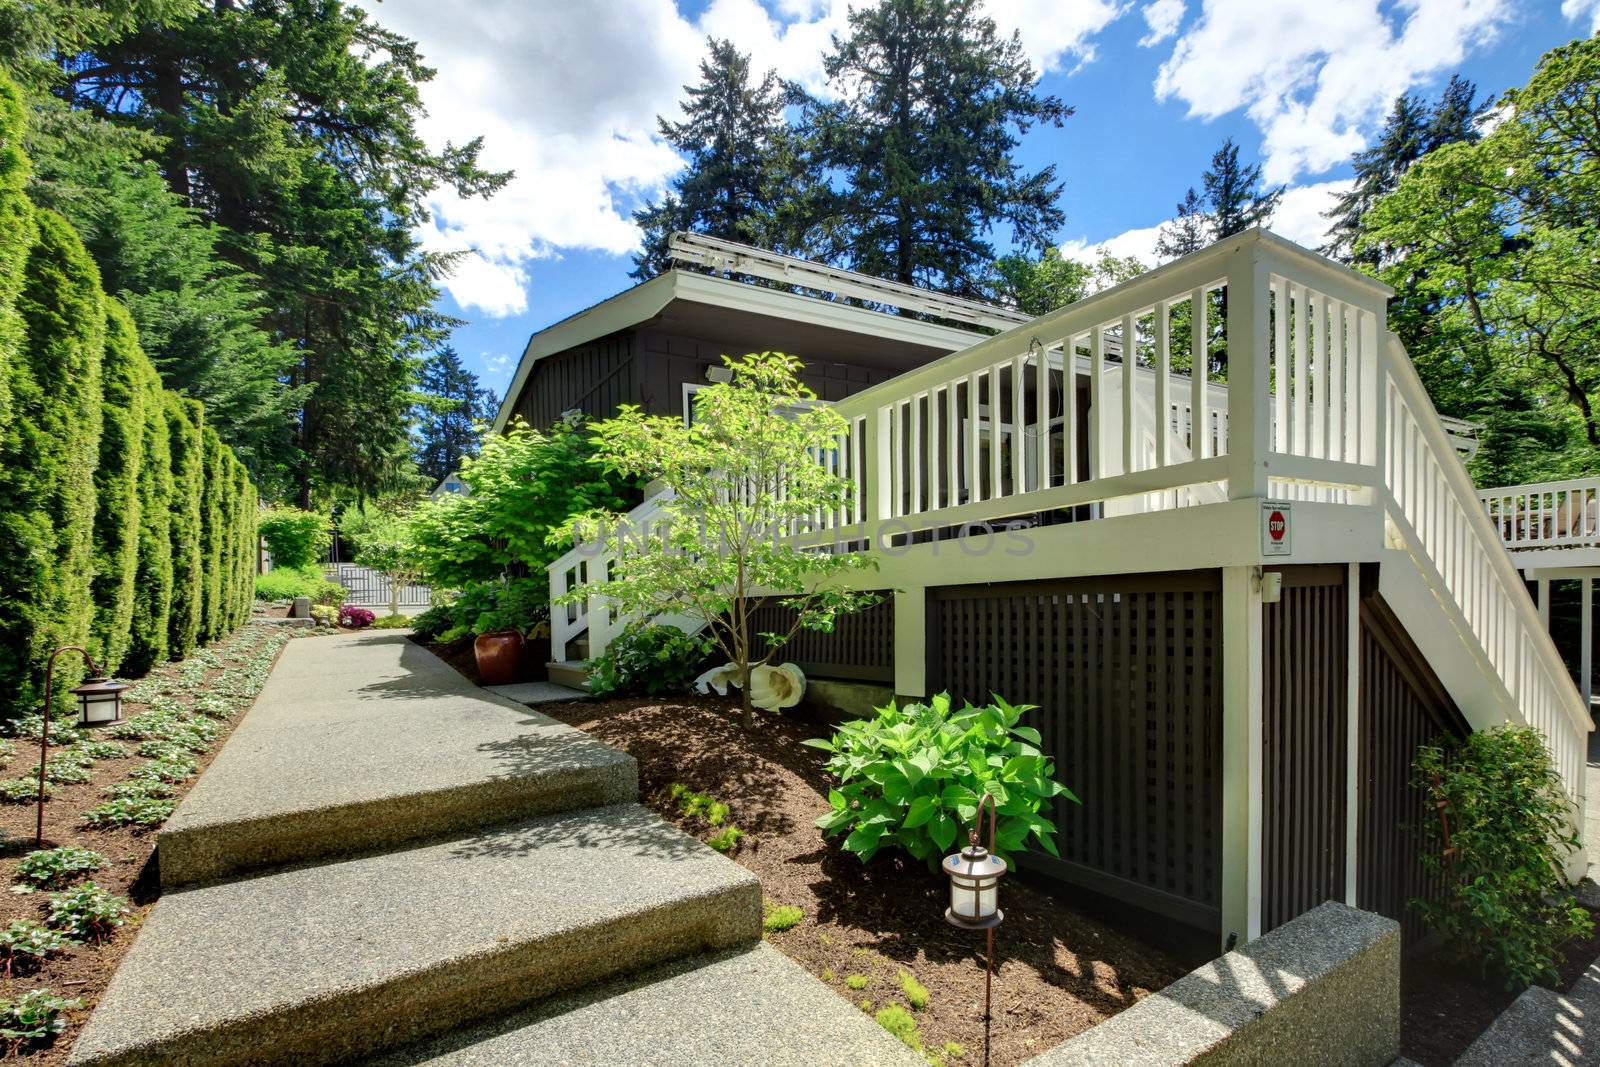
(565, 93)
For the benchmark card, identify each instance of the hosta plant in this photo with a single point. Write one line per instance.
(21, 790)
(53, 868)
(910, 778)
(93, 750)
(88, 913)
(166, 770)
(66, 768)
(140, 810)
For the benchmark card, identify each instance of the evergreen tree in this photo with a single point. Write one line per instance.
(213, 502)
(123, 373)
(1189, 231)
(1231, 201)
(745, 179)
(188, 466)
(152, 586)
(16, 233)
(48, 450)
(452, 406)
(1411, 131)
(930, 104)
(291, 125)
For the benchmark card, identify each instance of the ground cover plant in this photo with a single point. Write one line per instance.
(874, 932)
(73, 906)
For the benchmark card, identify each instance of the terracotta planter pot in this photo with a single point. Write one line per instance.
(498, 654)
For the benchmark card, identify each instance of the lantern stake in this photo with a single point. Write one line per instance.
(97, 679)
(975, 871)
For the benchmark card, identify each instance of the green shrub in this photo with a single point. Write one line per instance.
(87, 913)
(780, 917)
(34, 1018)
(1511, 829)
(212, 502)
(902, 1025)
(152, 586)
(53, 868)
(910, 778)
(116, 480)
(295, 538)
(428, 625)
(391, 622)
(185, 443)
(286, 583)
(26, 944)
(646, 660)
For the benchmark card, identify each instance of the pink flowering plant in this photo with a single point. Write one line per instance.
(355, 617)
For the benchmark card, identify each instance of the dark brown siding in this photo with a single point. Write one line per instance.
(667, 361)
(1304, 757)
(593, 379)
(859, 648)
(1403, 706)
(1127, 675)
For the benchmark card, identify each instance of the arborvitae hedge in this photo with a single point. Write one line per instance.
(188, 467)
(116, 520)
(152, 584)
(104, 475)
(47, 462)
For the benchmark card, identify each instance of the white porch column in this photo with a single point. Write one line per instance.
(1586, 628)
(1241, 754)
(911, 642)
(1249, 414)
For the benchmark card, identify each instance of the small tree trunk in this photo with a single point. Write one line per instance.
(394, 595)
(744, 695)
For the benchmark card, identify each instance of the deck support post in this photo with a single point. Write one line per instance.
(911, 642)
(1241, 754)
(1249, 412)
(1544, 602)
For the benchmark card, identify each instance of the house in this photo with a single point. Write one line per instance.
(1241, 599)
(654, 345)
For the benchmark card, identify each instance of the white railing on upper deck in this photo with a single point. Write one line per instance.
(1562, 514)
(1319, 402)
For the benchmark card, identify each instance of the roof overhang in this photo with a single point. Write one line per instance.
(644, 302)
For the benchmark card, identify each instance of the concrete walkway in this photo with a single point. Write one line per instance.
(386, 861)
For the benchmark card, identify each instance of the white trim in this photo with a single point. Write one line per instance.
(1352, 756)
(643, 302)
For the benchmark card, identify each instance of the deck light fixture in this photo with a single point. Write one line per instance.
(975, 874)
(99, 701)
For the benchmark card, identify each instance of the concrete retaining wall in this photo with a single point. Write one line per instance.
(1322, 989)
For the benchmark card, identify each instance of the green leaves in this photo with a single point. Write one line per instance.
(911, 778)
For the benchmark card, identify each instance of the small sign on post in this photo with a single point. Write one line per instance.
(1276, 528)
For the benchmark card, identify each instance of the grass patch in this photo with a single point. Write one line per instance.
(855, 981)
(916, 993)
(781, 917)
(902, 1025)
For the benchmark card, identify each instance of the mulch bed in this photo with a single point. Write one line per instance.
(1445, 1003)
(1058, 971)
(83, 971)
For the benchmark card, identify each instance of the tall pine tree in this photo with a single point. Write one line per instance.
(1231, 201)
(1411, 131)
(930, 104)
(745, 178)
(452, 404)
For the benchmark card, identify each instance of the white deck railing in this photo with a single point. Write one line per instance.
(1319, 403)
(1546, 515)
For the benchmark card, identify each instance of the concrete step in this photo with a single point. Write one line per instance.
(1544, 1027)
(570, 673)
(325, 964)
(368, 741)
(753, 1007)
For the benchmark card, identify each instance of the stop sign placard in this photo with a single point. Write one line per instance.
(1275, 528)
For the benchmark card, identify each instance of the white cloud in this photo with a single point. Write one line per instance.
(1163, 18)
(1578, 10)
(567, 95)
(1299, 218)
(1315, 77)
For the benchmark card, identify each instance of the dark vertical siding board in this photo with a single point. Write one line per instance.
(1124, 670)
(1304, 755)
(1402, 707)
(860, 646)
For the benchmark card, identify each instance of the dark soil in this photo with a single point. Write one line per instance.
(1058, 971)
(1445, 1002)
(84, 970)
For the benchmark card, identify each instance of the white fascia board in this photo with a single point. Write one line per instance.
(645, 301)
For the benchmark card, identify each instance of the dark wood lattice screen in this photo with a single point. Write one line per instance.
(859, 648)
(1127, 675)
(1304, 759)
(1403, 706)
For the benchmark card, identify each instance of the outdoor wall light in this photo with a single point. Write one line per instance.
(975, 874)
(99, 701)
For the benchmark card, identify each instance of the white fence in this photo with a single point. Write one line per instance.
(1547, 515)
